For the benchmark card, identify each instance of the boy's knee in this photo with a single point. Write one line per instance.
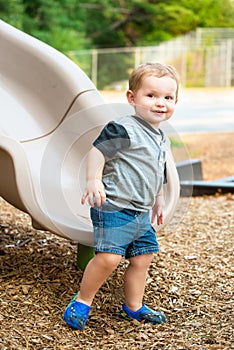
(109, 260)
(141, 260)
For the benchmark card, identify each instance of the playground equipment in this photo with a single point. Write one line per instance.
(50, 114)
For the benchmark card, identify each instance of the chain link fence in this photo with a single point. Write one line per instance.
(204, 58)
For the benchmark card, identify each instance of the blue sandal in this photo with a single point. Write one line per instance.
(76, 314)
(144, 314)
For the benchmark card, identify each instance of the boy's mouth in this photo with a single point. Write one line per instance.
(159, 112)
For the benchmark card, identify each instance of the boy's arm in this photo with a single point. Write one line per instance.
(158, 209)
(94, 190)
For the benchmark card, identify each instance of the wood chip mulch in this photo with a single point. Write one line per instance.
(191, 280)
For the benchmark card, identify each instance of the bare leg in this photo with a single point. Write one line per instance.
(95, 274)
(135, 280)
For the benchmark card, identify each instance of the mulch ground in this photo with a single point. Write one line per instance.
(191, 280)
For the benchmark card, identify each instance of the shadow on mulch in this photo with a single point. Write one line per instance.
(191, 280)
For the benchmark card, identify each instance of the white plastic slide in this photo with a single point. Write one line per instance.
(50, 114)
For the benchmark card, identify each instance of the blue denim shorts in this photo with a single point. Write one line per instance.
(123, 231)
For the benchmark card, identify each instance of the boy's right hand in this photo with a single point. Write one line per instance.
(95, 193)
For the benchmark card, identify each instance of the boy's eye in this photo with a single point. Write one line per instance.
(151, 95)
(169, 98)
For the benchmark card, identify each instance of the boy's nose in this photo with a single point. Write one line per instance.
(159, 101)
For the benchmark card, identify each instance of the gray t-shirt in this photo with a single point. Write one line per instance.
(135, 158)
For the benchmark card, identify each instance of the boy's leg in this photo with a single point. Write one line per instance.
(135, 280)
(95, 274)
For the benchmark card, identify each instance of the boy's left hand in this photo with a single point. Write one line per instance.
(157, 210)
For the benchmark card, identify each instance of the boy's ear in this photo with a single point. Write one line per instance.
(130, 96)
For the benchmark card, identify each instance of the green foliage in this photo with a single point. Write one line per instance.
(76, 24)
(117, 66)
(146, 22)
(12, 11)
(59, 23)
(212, 13)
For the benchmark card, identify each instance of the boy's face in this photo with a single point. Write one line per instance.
(155, 100)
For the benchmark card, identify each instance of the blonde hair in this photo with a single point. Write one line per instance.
(152, 69)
